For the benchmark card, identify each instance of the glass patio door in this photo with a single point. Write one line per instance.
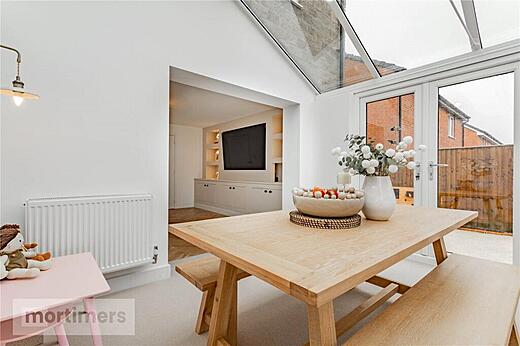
(387, 118)
(470, 163)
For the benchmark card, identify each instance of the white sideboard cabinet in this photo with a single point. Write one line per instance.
(237, 197)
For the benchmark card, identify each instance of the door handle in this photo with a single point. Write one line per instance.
(432, 164)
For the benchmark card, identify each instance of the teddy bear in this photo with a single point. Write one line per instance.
(19, 260)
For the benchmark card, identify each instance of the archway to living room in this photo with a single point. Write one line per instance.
(226, 152)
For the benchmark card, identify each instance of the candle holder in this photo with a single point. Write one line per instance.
(343, 179)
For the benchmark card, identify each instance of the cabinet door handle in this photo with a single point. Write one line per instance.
(265, 191)
(233, 187)
(270, 191)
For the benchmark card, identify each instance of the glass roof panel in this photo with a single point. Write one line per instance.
(402, 34)
(313, 38)
(498, 20)
(354, 69)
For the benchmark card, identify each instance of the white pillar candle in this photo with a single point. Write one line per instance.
(343, 178)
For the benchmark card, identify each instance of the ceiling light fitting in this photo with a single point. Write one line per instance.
(17, 91)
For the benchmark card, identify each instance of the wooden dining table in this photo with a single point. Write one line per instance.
(316, 266)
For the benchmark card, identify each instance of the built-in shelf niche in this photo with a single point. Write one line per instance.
(211, 172)
(212, 154)
(277, 146)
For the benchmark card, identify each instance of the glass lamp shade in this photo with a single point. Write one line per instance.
(18, 95)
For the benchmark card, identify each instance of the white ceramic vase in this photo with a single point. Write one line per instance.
(379, 198)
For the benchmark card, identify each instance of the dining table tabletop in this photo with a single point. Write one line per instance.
(315, 265)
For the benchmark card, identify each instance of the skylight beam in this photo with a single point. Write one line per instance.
(351, 33)
(470, 16)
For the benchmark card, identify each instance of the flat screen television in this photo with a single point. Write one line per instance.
(244, 148)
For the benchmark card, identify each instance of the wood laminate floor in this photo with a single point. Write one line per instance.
(178, 248)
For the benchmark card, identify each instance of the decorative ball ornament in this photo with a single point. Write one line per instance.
(390, 152)
(393, 169)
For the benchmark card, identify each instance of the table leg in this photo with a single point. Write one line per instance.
(233, 319)
(223, 305)
(90, 308)
(513, 339)
(440, 250)
(322, 327)
(59, 330)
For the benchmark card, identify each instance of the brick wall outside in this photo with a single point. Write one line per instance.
(446, 141)
(471, 139)
(355, 72)
(384, 114)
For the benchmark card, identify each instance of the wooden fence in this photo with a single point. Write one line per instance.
(481, 179)
(477, 178)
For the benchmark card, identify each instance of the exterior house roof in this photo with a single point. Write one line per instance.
(452, 109)
(482, 133)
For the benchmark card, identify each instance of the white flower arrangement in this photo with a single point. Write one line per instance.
(373, 159)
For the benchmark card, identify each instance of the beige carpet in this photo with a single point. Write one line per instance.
(166, 312)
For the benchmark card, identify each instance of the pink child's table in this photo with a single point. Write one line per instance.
(71, 279)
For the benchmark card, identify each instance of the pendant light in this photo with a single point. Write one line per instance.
(17, 91)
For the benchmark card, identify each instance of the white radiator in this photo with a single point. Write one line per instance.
(115, 229)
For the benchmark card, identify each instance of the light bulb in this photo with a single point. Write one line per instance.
(18, 100)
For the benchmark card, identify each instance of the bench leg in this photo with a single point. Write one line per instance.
(322, 327)
(206, 306)
(223, 305)
(439, 248)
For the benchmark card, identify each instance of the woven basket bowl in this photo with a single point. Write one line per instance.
(328, 207)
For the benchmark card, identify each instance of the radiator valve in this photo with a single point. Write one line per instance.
(155, 254)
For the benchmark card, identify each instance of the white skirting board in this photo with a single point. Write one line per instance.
(138, 276)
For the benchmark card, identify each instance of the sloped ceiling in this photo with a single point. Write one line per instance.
(191, 106)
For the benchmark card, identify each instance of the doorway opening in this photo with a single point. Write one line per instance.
(226, 152)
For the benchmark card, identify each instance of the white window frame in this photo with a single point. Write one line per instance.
(451, 126)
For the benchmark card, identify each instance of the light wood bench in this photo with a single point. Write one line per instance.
(203, 274)
(463, 301)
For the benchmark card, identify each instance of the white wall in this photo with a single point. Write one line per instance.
(324, 125)
(187, 163)
(102, 70)
(291, 153)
